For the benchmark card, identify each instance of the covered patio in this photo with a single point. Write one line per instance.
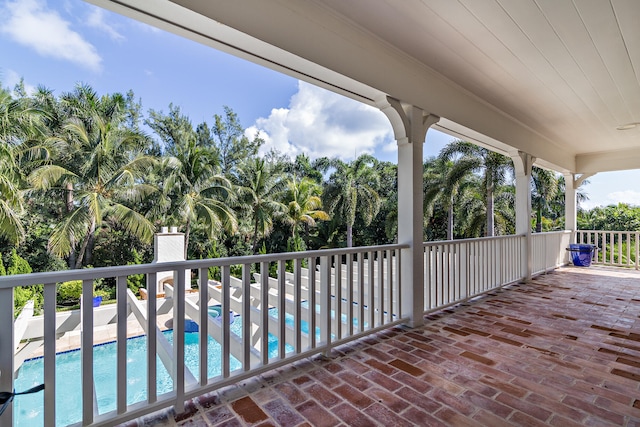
(561, 350)
(463, 332)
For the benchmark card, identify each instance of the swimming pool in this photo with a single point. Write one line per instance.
(29, 409)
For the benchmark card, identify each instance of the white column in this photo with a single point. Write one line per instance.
(571, 185)
(410, 125)
(523, 162)
(570, 204)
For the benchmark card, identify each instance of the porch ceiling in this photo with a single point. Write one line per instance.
(552, 78)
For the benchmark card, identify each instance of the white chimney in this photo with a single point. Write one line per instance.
(169, 246)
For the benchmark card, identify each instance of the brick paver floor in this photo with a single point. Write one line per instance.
(563, 350)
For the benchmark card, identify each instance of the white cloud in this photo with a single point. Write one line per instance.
(30, 23)
(146, 27)
(630, 197)
(322, 123)
(10, 79)
(96, 19)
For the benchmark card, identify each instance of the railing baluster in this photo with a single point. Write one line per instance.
(226, 321)
(448, 271)
(325, 301)
(389, 290)
(312, 302)
(203, 327)
(499, 262)
(426, 258)
(350, 293)
(152, 338)
(463, 260)
(493, 273)
(86, 351)
(372, 290)
(264, 310)
(7, 348)
(246, 317)
(451, 276)
(338, 296)
(361, 291)
(611, 248)
(121, 362)
(637, 253)
(297, 298)
(49, 350)
(437, 281)
(398, 308)
(380, 291)
(282, 309)
(178, 339)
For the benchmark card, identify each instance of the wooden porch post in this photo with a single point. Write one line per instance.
(410, 125)
(571, 184)
(523, 162)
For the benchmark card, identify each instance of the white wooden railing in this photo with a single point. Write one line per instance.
(617, 248)
(457, 270)
(548, 250)
(362, 299)
(341, 294)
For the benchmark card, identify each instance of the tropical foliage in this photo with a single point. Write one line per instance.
(86, 179)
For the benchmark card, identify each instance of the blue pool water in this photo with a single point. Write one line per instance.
(28, 409)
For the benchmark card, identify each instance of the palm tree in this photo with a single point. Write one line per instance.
(493, 167)
(99, 167)
(11, 200)
(259, 186)
(351, 191)
(192, 190)
(19, 124)
(443, 181)
(303, 206)
(471, 209)
(544, 187)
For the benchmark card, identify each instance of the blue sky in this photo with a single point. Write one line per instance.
(60, 43)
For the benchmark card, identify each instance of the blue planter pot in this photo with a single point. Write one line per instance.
(97, 301)
(582, 255)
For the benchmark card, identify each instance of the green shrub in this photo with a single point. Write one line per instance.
(135, 281)
(22, 294)
(102, 293)
(17, 264)
(70, 292)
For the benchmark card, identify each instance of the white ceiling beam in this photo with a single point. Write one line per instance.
(608, 161)
(310, 31)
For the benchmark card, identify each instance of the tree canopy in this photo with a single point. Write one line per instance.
(86, 179)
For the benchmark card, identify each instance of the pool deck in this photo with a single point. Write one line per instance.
(101, 334)
(562, 350)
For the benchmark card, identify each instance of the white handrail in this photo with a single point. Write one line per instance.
(456, 270)
(617, 248)
(369, 301)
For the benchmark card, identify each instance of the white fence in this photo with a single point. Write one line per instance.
(285, 307)
(457, 270)
(549, 250)
(304, 307)
(617, 248)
